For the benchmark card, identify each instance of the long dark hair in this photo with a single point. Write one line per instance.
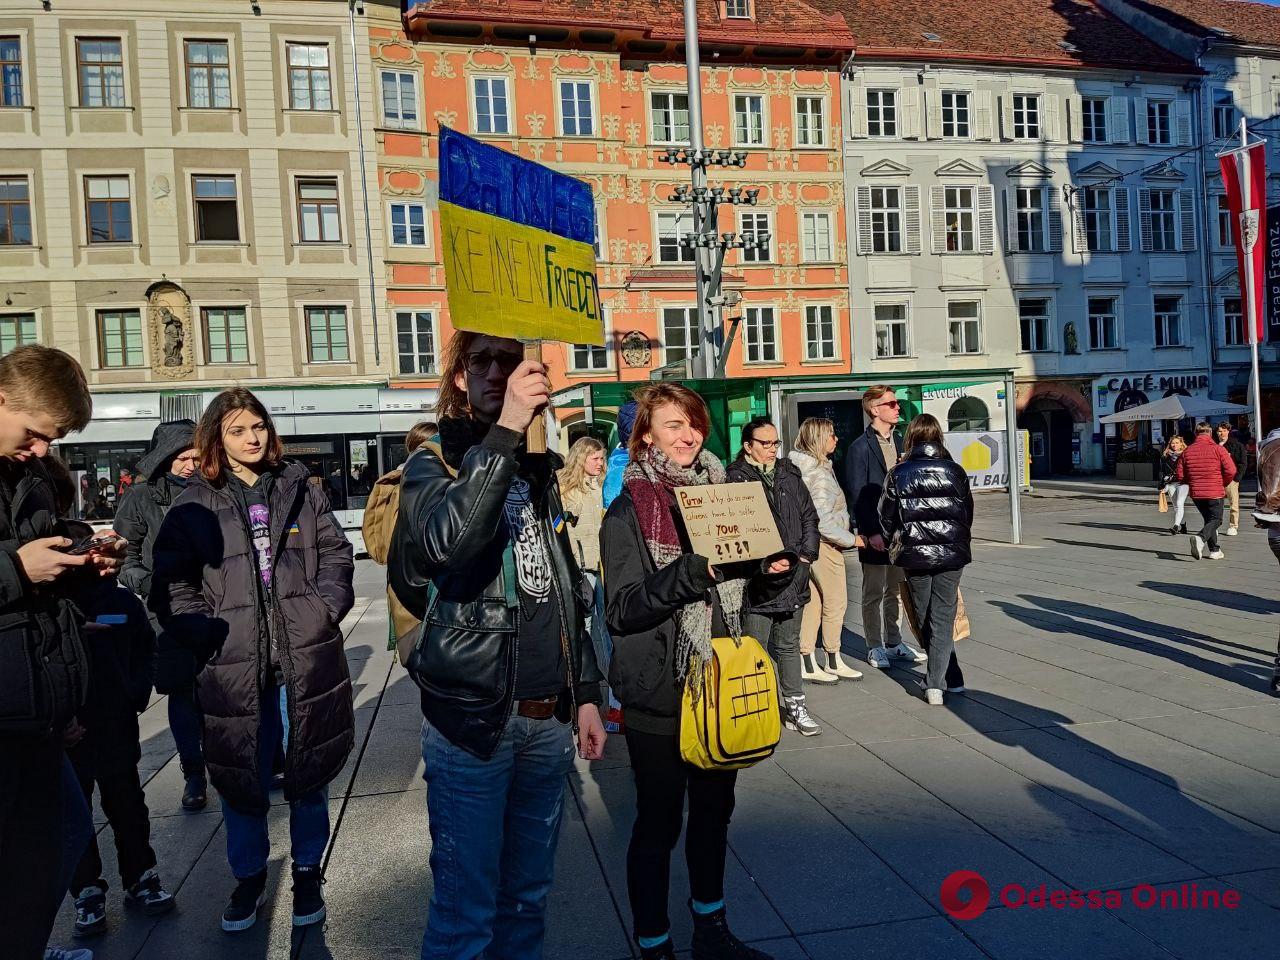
(208, 441)
(923, 429)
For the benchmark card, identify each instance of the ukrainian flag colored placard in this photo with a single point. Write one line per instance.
(518, 254)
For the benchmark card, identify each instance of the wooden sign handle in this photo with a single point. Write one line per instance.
(535, 438)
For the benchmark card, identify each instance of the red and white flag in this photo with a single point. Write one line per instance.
(1241, 167)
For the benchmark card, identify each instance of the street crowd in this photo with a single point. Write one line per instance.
(538, 603)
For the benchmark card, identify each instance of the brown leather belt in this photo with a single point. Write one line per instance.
(537, 709)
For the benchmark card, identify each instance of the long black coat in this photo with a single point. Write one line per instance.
(143, 506)
(205, 592)
(864, 480)
(797, 521)
(926, 511)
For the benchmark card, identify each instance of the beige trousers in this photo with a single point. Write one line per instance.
(1233, 503)
(828, 598)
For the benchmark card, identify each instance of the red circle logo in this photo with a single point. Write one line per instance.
(954, 890)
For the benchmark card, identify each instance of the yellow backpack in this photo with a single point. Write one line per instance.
(737, 720)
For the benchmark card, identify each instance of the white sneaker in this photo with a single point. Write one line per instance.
(812, 672)
(836, 666)
(934, 697)
(878, 658)
(904, 651)
(1232, 531)
(1217, 555)
(1197, 547)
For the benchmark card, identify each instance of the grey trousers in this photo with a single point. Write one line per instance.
(934, 596)
(880, 608)
(780, 635)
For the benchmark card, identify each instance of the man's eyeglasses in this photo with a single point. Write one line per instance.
(890, 403)
(768, 444)
(478, 364)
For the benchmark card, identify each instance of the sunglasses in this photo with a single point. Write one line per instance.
(890, 403)
(478, 364)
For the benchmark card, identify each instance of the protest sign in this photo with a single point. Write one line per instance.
(727, 522)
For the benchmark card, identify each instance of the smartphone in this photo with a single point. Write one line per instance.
(93, 543)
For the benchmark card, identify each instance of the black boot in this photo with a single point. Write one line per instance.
(663, 951)
(195, 791)
(713, 940)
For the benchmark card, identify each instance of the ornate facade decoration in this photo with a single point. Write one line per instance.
(170, 332)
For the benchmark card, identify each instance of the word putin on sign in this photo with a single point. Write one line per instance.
(728, 522)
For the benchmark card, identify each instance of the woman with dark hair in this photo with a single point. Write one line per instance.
(926, 512)
(252, 571)
(664, 604)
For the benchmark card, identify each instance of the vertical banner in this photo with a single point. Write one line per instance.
(1248, 165)
(1273, 271)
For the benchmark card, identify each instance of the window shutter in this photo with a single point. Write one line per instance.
(1010, 219)
(857, 108)
(1079, 240)
(909, 118)
(1053, 220)
(1049, 129)
(1075, 119)
(1186, 220)
(1117, 119)
(982, 115)
(987, 219)
(1120, 203)
(938, 202)
(1006, 116)
(1140, 120)
(911, 214)
(933, 112)
(1144, 219)
(864, 221)
(1182, 122)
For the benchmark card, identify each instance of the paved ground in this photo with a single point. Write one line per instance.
(1116, 733)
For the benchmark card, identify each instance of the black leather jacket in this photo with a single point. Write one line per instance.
(926, 511)
(451, 564)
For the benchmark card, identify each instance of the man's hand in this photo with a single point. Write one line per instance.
(591, 735)
(109, 558)
(44, 560)
(779, 566)
(859, 541)
(876, 542)
(72, 734)
(528, 391)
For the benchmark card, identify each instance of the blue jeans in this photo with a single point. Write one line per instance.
(77, 825)
(247, 843)
(185, 721)
(494, 825)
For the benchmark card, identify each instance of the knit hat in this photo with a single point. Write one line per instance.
(626, 420)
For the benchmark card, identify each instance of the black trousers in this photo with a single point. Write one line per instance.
(30, 843)
(662, 780)
(125, 805)
(1211, 511)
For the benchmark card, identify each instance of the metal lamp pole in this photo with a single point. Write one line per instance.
(1250, 296)
(693, 69)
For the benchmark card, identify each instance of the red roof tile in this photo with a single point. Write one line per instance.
(1245, 22)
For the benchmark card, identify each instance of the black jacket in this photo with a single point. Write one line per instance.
(44, 667)
(143, 506)
(1167, 465)
(926, 511)
(205, 593)
(797, 521)
(452, 565)
(1238, 455)
(864, 479)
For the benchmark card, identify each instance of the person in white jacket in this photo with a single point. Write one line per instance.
(829, 594)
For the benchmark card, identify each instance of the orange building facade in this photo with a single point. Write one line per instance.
(603, 103)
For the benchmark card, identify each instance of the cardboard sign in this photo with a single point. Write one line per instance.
(728, 522)
(518, 253)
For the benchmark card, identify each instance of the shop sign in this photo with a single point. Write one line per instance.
(982, 454)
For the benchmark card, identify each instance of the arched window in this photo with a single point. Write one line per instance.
(968, 413)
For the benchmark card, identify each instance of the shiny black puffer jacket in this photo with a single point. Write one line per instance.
(926, 511)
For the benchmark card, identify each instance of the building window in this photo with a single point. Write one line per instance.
(1225, 240)
(737, 9)
(1233, 332)
(119, 338)
(318, 220)
(226, 334)
(1030, 210)
(1026, 116)
(16, 329)
(886, 220)
(15, 212)
(680, 334)
(575, 109)
(671, 228)
(1093, 119)
(1033, 319)
(10, 72)
(400, 99)
(760, 335)
(819, 332)
(811, 122)
(408, 224)
(327, 335)
(754, 228)
(416, 341)
(1164, 231)
(1159, 124)
(955, 114)
(748, 120)
(891, 330)
(882, 113)
(1097, 219)
(208, 73)
(588, 357)
(107, 209)
(968, 414)
(491, 105)
(964, 324)
(815, 237)
(1104, 324)
(100, 65)
(1225, 121)
(1168, 316)
(959, 215)
(216, 215)
(670, 115)
(309, 84)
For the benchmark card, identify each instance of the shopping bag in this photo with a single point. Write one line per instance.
(1164, 501)
(961, 631)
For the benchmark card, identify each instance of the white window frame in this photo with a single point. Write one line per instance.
(1109, 221)
(399, 122)
(737, 9)
(682, 221)
(744, 137)
(756, 256)
(886, 106)
(905, 323)
(1222, 240)
(958, 210)
(1027, 115)
(1086, 114)
(809, 135)
(1240, 322)
(508, 95)
(1047, 345)
(955, 108)
(1161, 325)
(885, 213)
(693, 331)
(809, 252)
(964, 322)
(752, 331)
(809, 341)
(1170, 215)
(426, 224)
(1037, 238)
(415, 314)
(1116, 314)
(593, 112)
(670, 94)
(1152, 120)
(571, 352)
(1222, 131)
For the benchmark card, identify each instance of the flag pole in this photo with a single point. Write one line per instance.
(1250, 294)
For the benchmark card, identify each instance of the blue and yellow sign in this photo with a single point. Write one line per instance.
(518, 254)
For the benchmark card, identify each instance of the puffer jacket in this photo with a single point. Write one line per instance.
(797, 522)
(205, 592)
(1206, 468)
(452, 565)
(828, 499)
(143, 506)
(926, 511)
